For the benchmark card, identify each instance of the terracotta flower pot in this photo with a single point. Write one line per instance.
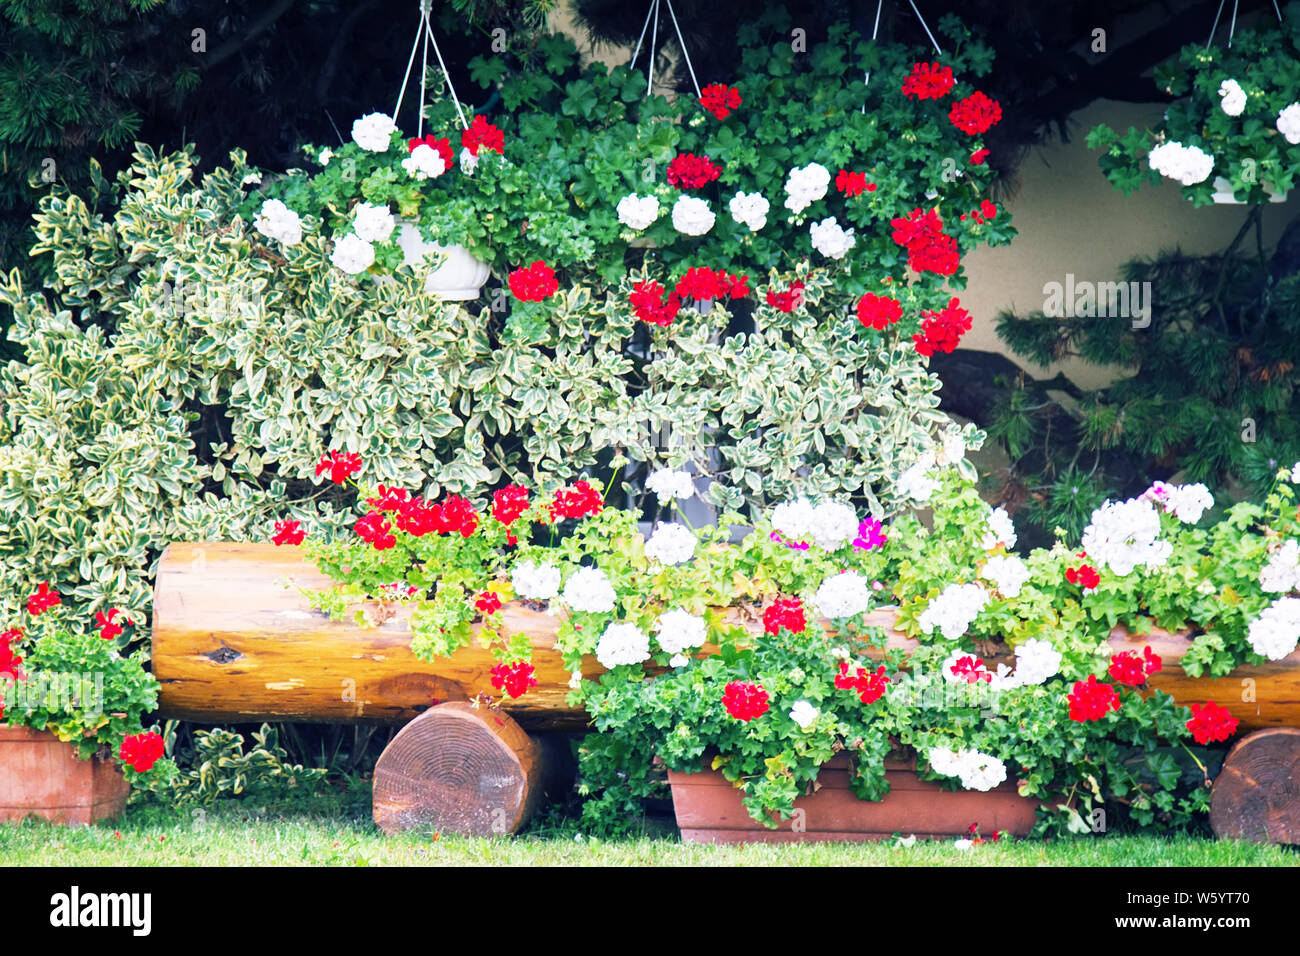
(709, 809)
(42, 776)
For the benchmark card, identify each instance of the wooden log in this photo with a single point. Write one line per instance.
(1256, 795)
(232, 642)
(458, 768)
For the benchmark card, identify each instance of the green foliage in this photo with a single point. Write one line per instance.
(223, 766)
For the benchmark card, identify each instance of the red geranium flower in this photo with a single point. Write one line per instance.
(651, 306)
(515, 679)
(288, 532)
(440, 146)
(851, 184)
(9, 661)
(704, 283)
(869, 687)
(975, 114)
(688, 171)
(340, 465)
(375, 529)
(941, 331)
(744, 700)
(389, 499)
(977, 158)
(1085, 575)
(990, 210)
(971, 669)
(720, 99)
(454, 515)
(929, 248)
(878, 312)
(928, 81)
(1211, 723)
(42, 600)
(1131, 668)
(533, 283)
(141, 751)
(489, 602)
(509, 503)
(785, 613)
(1091, 701)
(107, 629)
(788, 300)
(576, 502)
(482, 135)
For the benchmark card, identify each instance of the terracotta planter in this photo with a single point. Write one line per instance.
(41, 776)
(709, 809)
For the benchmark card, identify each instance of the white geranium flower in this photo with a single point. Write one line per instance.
(1007, 572)
(678, 660)
(425, 162)
(691, 216)
(353, 254)
(575, 680)
(678, 630)
(1185, 502)
(468, 161)
(803, 714)
(638, 212)
(952, 611)
(1036, 661)
(671, 543)
(805, 185)
(373, 132)
(536, 582)
(915, 482)
(275, 220)
(373, 223)
(589, 590)
(978, 771)
(1282, 573)
(1288, 123)
(830, 240)
(1295, 473)
(749, 209)
(1187, 164)
(1122, 535)
(251, 179)
(954, 448)
(667, 484)
(1276, 631)
(622, 644)
(325, 156)
(794, 519)
(1001, 530)
(833, 524)
(1233, 97)
(843, 595)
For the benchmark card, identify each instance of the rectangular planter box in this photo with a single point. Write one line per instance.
(41, 776)
(709, 809)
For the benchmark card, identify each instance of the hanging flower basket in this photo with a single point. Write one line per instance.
(461, 276)
(1224, 196)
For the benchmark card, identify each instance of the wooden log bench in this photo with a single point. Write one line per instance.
(234, 639)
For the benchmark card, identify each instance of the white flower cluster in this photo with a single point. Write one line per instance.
(1282, 573)
(622, 644)
(1276, 631)
(353, 254)
(1185, 502)
(1036, 660)
(1001, 530)
(638, 212)
(978, 771)
(589, 590)
(671, 543)
(915, 481)
(692, 217)
(536, 582)
(1187, 164)
(1122, 535)
(803, 714)
(805, 185)
(954, 448)
(1233, 97)
(1288, 123)
(749, 209)
(275, 220)
(373, 132)
(668, 484)
(952, 611)
(830, 240)
(680, 630)
(468, 161)
(1007, 572)
(425, 162)
(325, 156)
(373, 223)
(843, 595)
(830, 524)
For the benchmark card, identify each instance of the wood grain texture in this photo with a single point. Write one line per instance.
(41, 776)
(1257, 793)
(458, 769)
(233, 642)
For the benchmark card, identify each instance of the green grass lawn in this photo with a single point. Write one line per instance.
(242, 834)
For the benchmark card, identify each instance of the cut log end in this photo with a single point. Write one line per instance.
(458, 769)
(1257, 794)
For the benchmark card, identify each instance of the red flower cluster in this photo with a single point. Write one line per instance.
(929, 248)
(440, 146)
(533, 283)
(1211, 723)
(987, 212)
(515, 679)
(688, 171)
(489, 602)
(971, 669)
(975, 114)
(784, 613)
(107, 629)
(1085, 575)
(720, 99)
(705, 283)
(1131, 668)
(868, 686)
(42, 600)
(1091, 701)
(9, 661)
(576, 502)
(390, 499)
(288, 532)
(941, 331)
(141, 751)
(453, 515)
(509, 503)
(977, 158)
(744, 700)
(853, 184)
(928, 81)
(340, 465)
(788, 300)
(482, 135)
(878, 312)
(651, 306)
(375, 529)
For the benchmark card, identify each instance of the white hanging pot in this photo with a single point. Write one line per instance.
(461, 275)
(1223, 193)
